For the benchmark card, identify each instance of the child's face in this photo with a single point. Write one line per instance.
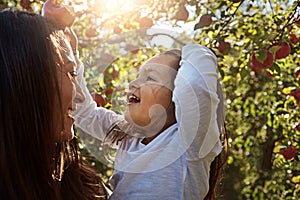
(149, 101)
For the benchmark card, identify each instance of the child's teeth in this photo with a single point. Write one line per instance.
(134, 98)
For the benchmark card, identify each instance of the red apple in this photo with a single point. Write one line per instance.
(117, 30)
(145, 22)
(289, 153)
(224, 47)
(280, 50)
(91, 32)
(26, 5)
(108, 92)
(298, 127)
(182, 13)
(115, 74)
(296, 94)
(293, 38)
(60, 15)
(255, 68)
(99, 99)
(297, 72)
(111, 72)
(132, 48)
(262, 59)
(205, 20)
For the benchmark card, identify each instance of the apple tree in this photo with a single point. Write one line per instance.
(257, 45)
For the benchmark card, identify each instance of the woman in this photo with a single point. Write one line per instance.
(38, 152)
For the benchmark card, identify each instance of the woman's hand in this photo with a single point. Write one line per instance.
(61, 15)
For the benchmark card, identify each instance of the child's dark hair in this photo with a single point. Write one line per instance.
(216, 170)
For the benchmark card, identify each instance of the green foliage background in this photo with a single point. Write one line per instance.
(261, 113)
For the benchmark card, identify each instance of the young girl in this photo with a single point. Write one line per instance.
(169, 137)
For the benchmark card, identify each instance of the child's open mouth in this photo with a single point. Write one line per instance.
(131, 98)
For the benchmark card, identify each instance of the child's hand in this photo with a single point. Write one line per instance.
(72, 39)
(61, 15)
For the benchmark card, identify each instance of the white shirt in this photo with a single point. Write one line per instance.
(176, 164)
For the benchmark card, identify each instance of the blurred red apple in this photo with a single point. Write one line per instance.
(99, 99)
(60, 15)
(117, 30)
(297, 72)
(293, 38)
(205, 20)
(182, 13)
(296, 94)
(280, 50)
(145, 22)
(224, 47)
(91, 32)
(115, 74)
(26, 5)
(262, 59)
(108, 92)
(255, 68)
(298, 127)
(289, 153)
(132, 48)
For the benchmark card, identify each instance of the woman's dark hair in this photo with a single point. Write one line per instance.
(30, 157)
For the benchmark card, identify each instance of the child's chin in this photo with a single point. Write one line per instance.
(126, 115)
(131, 120)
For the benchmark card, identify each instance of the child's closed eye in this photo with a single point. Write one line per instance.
(149, 78)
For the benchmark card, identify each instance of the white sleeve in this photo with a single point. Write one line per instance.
(88, 117)
(196, 101)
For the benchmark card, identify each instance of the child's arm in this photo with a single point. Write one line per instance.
(196, 101)
(88, 117)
